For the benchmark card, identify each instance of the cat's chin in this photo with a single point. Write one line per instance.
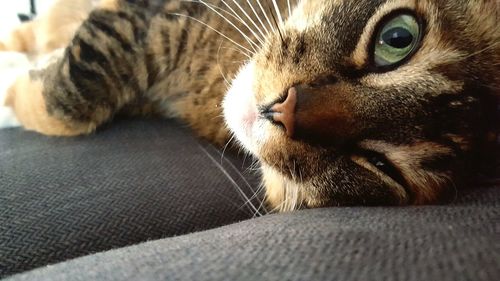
(241, 112)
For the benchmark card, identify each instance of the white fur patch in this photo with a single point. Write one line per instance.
(303, 18)
(12, 65)
(238, 104)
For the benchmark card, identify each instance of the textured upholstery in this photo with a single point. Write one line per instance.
(135, 181)
(453, 242)
(146, 180)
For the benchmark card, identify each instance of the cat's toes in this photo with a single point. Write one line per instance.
(12, 65)
(12, 62)
(8, 118)
(27, 101)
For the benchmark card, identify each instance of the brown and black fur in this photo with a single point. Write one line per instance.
(425, 119)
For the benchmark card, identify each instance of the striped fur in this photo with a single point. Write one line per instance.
(423, 121)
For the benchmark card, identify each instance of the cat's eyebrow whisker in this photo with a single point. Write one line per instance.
(248, 39)
(251, 20)
(289, 8)
(243, 21)
(278, 13)
(277, 25)
(258, 17)
(234, 15)
(265, 15)
(481, 51)
(244, 49)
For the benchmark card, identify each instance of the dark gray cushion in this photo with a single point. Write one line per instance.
(459, 241)
(134, 181)
(145, 180)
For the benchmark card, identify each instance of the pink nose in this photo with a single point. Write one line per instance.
(284, 112)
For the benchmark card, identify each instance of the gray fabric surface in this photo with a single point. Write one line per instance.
(132, 182)
(453, 242)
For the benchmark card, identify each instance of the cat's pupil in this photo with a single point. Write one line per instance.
(398, 37)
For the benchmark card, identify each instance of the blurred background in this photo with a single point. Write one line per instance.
(10, 9)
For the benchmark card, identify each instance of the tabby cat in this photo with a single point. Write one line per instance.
(366, 102)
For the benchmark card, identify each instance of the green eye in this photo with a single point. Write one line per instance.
(396, 40)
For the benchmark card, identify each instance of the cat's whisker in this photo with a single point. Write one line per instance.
(237, 171)
(214, 7)
(301, 178)
(258, 17)
(217, 8)
(255, 196)
(205, 4)
(455, 192)
(262, 202)
(226, 146)
(243, 22)
(228, 84)
(231, 179)
(265, 15)
(294, 197)
(240, 62)
(254, 167)
(253, 45)
(282, 207)
(245, 50)
(263, 36)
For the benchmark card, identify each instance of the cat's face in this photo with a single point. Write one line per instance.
(368, 102)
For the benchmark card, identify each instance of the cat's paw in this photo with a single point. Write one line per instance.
(12, 65)
(8, 118)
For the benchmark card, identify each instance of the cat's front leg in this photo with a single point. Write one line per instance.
(26, 99)
(91, 80)
(12, 64)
